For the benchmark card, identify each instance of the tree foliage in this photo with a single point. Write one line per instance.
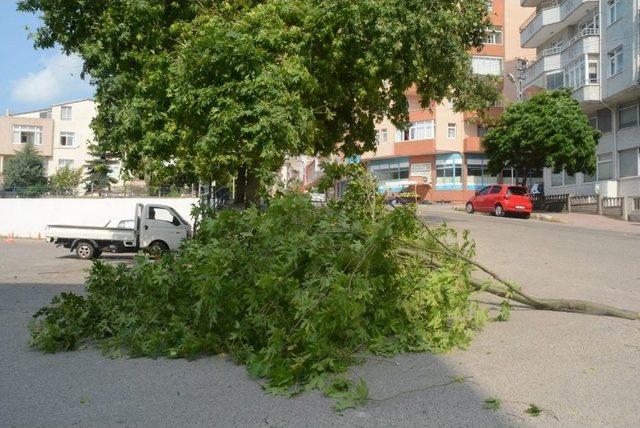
(99, 169)
(549, 130)
(219, 87)
(25, 172)
(66, 180)
(294, 293)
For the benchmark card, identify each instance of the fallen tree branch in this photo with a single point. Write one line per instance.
(511, 292)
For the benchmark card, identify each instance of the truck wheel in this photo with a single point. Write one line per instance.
(84, 250)
(157, 248)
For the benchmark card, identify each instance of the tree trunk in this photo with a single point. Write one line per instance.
(252, 189)
(241, 186)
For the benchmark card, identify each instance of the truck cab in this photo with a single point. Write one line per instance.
(160, 227)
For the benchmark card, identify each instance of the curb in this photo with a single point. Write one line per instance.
(534, 216)
(547, 218)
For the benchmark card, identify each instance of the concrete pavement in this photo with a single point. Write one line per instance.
(584, 370)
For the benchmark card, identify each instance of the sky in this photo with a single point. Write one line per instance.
(32, 79)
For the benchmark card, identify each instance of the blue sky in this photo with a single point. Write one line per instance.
(31, 79)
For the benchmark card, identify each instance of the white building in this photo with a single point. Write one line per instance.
(62, 133)
(591, 46)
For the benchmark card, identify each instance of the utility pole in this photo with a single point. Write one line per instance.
(521, 69)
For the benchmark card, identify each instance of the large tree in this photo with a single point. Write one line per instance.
(24, 173)
(235, 86)
(549, 130)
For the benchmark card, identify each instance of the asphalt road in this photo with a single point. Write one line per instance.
(583, 370)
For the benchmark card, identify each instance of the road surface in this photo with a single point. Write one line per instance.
(585, 371)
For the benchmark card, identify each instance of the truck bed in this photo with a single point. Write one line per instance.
(90, 232)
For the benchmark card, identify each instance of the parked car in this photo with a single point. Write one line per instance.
(501, 199)
(536, 189)
(155, 228)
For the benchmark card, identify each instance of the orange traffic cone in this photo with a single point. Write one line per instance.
(10, 239)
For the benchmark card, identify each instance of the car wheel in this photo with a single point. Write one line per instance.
(84, 250)
(498, 211)
(526, 216)
(97, 253)
(470, 209)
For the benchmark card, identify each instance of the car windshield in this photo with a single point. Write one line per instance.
(517, 191)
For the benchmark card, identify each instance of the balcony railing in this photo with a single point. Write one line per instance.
(587, 32)
(543, 6)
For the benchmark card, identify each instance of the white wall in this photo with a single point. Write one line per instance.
(27, 218)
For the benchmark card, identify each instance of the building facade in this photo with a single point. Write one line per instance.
(591, 46)
(61, 133)
(440, 156)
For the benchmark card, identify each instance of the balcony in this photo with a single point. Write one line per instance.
(473, 145)
(550, 17)
(588, 94)
(556, 58)
(473, 116)
(414, 147)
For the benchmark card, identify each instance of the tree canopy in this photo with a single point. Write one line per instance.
(549, 130)
(222, 87)
(24, 172)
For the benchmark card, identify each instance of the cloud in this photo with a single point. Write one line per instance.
(58, 81)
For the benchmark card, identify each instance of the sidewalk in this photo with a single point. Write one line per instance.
(592, 221)
(586, 221)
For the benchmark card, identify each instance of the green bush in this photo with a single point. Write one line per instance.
(294, 292)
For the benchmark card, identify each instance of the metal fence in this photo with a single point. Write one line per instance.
(553, 203)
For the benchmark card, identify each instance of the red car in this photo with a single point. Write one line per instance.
(501, 199)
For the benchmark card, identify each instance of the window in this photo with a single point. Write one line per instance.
(495, 190)
(627, 116)
(382, 136)
(616, 61)
(482, 130)
(562, 179)
(451, 131)
(390, 169)
(484, 191)
(486, 65)
(593, 121)
(64, 163)
(614, 11)
(592, 70)
(605, 123)
(163, 214)
(65, 113)
(493, 36)
(574, 73)
(23, 134)
(45, 114)
(629, 163)
(424, 130)
(477, 172)
(449, 172)
(67, 139)
(605, 167)
(555, 80)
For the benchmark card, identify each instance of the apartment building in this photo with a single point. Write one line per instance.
(591, 46)
(440, 156)
(61, 133)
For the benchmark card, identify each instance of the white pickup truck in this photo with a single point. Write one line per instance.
(154, 228)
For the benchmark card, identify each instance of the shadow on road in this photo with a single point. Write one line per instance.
(87, 388)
